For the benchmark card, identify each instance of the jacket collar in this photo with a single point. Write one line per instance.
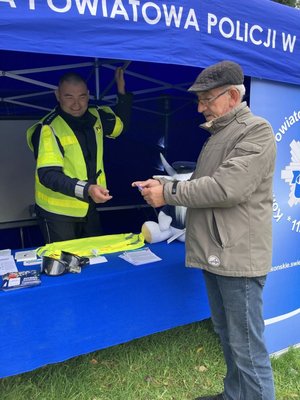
(217, 124)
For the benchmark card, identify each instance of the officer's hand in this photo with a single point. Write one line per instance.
(99, 194)
(120, 81)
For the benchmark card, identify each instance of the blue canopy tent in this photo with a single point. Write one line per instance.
(162, 45)
(183, 32)
(44, 38)
(39, 39)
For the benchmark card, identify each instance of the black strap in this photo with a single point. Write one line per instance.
(174, 187)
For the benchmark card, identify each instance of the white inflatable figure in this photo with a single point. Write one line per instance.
(171, 219)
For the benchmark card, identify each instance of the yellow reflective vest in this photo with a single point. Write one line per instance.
(71, 160)
(93, 246)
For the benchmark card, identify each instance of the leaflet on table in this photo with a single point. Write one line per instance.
(7, 264)
(5, 253)
(97, 260)
(140, 257)
(19, 280)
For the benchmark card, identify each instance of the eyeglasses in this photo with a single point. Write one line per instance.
(206, 102)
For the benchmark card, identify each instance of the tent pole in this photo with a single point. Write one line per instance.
(97, 81)
(166, 113)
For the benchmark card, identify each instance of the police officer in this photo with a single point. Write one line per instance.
(68, 147)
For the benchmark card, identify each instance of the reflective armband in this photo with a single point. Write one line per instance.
(79, 189)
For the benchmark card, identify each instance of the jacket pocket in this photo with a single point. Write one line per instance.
(248, 148)
(220, 232)
(232, 225)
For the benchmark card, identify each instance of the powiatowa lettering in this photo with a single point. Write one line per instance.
(171, 15)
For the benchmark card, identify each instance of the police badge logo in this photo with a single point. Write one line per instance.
(291, 174)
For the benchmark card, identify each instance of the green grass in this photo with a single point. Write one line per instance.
(179, 364)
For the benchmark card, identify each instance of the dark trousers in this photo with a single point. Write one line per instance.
(57, 230)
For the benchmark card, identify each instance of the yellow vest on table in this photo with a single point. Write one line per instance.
(93, 246)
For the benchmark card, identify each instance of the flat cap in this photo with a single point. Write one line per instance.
(217, 75)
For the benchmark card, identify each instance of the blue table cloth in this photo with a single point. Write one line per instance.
(105, 305)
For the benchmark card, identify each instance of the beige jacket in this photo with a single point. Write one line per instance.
(229, 197)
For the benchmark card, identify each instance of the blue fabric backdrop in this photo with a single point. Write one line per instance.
(262, 35)
(282, 300)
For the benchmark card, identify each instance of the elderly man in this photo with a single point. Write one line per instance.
(229, 225)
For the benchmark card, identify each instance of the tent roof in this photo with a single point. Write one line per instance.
(40, 40)
(28, 91)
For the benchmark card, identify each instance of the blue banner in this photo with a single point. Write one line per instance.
(279, 103)
(261, 35)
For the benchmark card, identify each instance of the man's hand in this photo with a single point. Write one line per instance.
(120, 81)
(99, 194)
(146, 184)
(152, 191)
